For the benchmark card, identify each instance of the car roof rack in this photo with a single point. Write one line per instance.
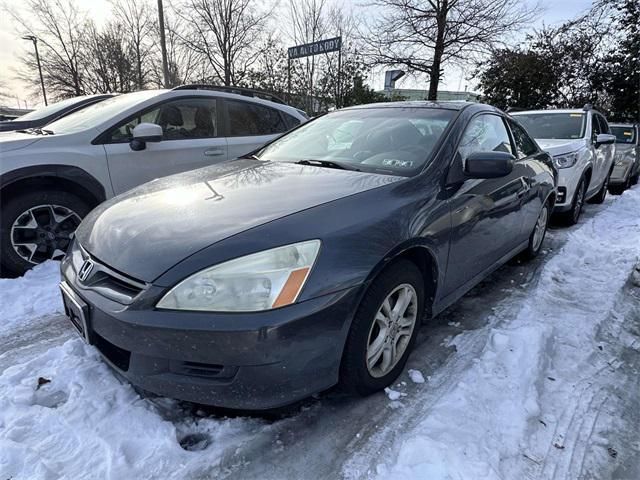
(247, 92)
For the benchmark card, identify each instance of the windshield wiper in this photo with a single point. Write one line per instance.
(327, 163)
(42, 131)
(36, 131)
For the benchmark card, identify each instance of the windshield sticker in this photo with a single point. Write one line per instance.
(394, 162)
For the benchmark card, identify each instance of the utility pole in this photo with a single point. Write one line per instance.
(163, 45)
(34, 39)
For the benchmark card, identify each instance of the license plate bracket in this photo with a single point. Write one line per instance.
(76, 310)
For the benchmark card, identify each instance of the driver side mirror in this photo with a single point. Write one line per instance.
(143, 133)
(605, 139)
(489, 164)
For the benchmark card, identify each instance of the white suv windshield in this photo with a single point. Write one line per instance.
(553, 125)
(384, 140)
(95, 114)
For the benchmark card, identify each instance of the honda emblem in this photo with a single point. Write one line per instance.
(85, 270)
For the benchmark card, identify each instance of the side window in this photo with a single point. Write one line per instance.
(246, 119)
(604, 125)
(595, 127)
(183, 119)
(485, 133)
(290, 120)
(524, 145)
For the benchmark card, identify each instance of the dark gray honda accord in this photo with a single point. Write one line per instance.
(257, 282)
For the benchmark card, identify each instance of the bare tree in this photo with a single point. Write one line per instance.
(110, 61)
(138, 25)
(425, 35)
(60, 28)
(225, 32)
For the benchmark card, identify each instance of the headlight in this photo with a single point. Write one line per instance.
(260, 281)
(567, 160)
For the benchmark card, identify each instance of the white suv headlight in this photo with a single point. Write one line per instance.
(260, 281)
(567, 160)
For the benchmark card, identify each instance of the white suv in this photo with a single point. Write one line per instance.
(50, 178)
(582, 147)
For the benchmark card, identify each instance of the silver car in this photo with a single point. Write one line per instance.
(51, 177)
(582, 148)
(627, 160)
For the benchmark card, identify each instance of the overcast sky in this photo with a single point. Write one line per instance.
(12, 47)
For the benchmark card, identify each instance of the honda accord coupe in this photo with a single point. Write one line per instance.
(257, 282)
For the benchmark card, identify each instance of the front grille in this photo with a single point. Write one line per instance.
(203, 370)
(105, 280)
(116, 355)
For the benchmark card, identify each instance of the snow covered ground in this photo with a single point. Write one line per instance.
(535, 374)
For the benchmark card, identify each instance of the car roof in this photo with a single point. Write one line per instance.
(169, 93)
(552, 110)
(449, 105)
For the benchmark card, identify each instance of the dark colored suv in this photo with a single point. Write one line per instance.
(45, 115)
(257, 282)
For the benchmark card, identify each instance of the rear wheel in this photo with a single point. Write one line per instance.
(383, 330)
(36, 227)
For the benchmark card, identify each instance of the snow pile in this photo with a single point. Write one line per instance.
(416, 376)
(519, 398)
(64, 415)
(34, 295)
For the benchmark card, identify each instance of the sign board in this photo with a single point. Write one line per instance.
(316, 48)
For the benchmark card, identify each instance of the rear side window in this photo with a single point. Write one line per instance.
(247, 119)
(524, 145)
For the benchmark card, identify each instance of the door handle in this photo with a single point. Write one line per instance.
(214, 152)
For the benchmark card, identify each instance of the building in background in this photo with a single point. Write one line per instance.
(416, 94)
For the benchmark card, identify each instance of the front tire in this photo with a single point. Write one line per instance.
(539, 232)
(36, 227)
(618, 189)
(573, 215)
(383, 330)
(602, 193)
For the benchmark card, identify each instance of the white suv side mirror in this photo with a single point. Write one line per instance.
(143, 133)
(605, 139)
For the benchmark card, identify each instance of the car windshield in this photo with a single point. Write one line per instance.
(623, 134)
(553, 125)
(97, 113)
(50, 109)
(394, 140)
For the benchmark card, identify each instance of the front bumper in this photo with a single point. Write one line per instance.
(568, 179)
(620, 174)
(249, 361)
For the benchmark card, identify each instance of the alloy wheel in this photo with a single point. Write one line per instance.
(540, 228)
(579, 202)
(391, 330)
(43, 232)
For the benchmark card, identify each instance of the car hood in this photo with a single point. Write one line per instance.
(147, 230)
(10, 141)
(625, 153)
(560, 146)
